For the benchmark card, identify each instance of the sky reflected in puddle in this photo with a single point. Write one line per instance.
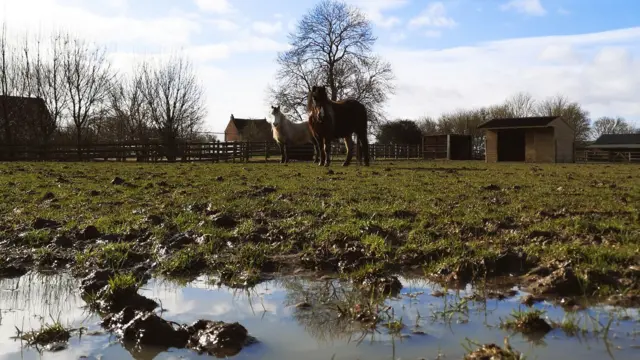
(270, 314)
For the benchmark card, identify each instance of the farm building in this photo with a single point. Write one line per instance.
(24, 118)
(248, 130)
(617, 147)
(450, 147)
(544, 139)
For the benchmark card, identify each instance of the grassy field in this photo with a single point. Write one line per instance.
(570, 230)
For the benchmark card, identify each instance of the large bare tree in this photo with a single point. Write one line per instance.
(577, 117)
(128, 105)
(175, 100)
(332, 46)
(88, 77)
(610, 125)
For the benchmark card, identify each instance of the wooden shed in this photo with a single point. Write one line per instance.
(616, 147)
(450, 147)
(544, 139)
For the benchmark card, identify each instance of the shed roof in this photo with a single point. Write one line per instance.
(261, 124)
(617, 141)
(23, 107)
(514, 123)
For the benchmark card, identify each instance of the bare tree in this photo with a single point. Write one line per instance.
(7, 75)
(175, 100)
(50, 84)
(521, 104)
(428, 125)
(332, 46)
(127, 103)
(571, 112)
(88, 76)
(609, 125)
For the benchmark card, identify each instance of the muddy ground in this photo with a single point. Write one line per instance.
(564, 232)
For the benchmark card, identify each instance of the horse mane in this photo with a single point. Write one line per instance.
(310, 102)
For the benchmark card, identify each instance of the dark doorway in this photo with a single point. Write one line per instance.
(511, 145)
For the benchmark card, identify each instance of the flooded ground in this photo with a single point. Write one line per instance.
(296, 318)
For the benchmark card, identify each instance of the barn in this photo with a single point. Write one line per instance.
(543, 139)
(617, 147)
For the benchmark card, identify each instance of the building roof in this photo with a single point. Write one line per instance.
(522, 122)
(261, 124)
(617, 141)
(24, 107)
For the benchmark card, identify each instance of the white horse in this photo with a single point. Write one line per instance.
(287, 133)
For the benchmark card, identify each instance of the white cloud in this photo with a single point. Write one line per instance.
(214, 6)
(375, 11)
(397, 37)
(44, 15)
(433, 33)
(266, 28)
(531, 7)
(435, 15)
(601, 71)
(118, 4)
(224, 24)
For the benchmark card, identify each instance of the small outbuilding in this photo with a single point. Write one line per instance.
(248, 130)
(617, 147)
(449, 146)
(543, 139)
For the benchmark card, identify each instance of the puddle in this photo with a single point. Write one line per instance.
(287, 331)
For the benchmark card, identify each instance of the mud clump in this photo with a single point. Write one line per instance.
(224, 221)
(624, 300)
(62, 241)
(528, 323)
(530, 300)
(117, 181)
(387, 285)
(204, 336)
(145, 328)
(563, 282)
(89, 233)
(494, 352)
(155, 220)
(218, 338)
(39, 224)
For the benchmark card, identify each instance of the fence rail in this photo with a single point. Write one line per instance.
(193, 151)
(600, 156)
(252, 151)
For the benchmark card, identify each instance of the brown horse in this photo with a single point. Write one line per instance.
(337, 119)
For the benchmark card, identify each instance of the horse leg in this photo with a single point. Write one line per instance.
(323, 155)
(282, 152)
(316, 149)
(365, 148)
(286, 153)
(359, 150)
(327, 152)
(348, 142)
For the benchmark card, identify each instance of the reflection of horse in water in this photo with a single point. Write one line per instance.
(338, 119)
(287, 133)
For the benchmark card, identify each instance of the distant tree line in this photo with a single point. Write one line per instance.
(466, 121)
(88, 100)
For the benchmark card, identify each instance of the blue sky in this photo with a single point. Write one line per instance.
(446, 54)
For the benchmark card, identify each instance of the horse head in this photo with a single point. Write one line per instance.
(319, 94)
(277, 115)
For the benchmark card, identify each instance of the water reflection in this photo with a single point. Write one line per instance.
(272, 312)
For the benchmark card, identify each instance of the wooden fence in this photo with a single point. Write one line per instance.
(195, 151)
(256, 151)
(600, 156)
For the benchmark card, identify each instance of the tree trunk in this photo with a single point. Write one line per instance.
(79, 143)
